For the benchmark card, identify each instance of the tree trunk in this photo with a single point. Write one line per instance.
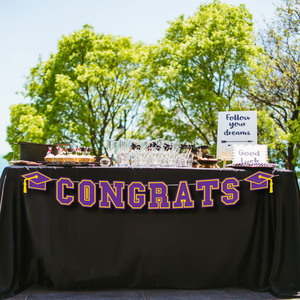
(289, 163)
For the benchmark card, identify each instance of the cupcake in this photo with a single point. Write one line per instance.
(76, 156)
(70, 158)
(83, 158)
(59, 157)
(89, 156)
(49, 156)
(92, 159)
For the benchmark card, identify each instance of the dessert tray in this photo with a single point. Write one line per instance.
(207, 161)
(253, 165)
(66, 164)
(24, 163)
(102, 163)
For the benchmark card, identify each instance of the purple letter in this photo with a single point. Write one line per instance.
(159, 198)
(136, 201)
(109, 194)
(228, 188)
(61, 184)
(183, 197)
(86, 193)
(207, 186)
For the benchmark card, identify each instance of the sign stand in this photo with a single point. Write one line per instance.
(235, 128)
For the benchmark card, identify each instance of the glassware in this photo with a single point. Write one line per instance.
(109, 146)
(123, 158)
(150, 153)
(123, 152)
(189, 160)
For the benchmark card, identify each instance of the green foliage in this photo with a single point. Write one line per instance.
(205, 64)
(269, 133)
(85, 88)
(197, 70)
(276, 87)
(26, 125)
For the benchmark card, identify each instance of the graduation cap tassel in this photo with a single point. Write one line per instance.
(271, 186)
(25, 183)
(271, 182)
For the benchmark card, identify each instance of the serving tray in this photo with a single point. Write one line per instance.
(253, 166)
(207, 161)
(63, 164)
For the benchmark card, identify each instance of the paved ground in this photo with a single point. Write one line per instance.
(37, 293)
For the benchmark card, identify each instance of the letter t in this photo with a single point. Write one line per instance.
(207, 186)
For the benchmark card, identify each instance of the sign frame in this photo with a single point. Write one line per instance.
(250, 154)
(235, 128)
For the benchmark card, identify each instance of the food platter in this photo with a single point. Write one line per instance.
(104, 163)
(253, 166)
(64, 164)
(207, 162)
(23, 163)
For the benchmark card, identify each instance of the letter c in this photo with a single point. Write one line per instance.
(61, 184)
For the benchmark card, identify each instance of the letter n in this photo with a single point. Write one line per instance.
(111, 194)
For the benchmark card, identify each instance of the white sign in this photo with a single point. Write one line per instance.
(235, 128)
(250, 154)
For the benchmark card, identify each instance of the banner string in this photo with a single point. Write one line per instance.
(168, 184)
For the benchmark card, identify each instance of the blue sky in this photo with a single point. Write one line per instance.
(31, 28)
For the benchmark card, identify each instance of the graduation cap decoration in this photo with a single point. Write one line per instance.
(167, 147)
(133, 146)
(260, 180)
(82, 149)
(36, 181)
(151, 145)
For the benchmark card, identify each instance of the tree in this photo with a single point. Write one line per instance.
(277, 89)
(268, 133)
(197, 70)
(88, 87)
(26, 124)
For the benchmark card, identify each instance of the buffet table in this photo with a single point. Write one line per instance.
(93, 228)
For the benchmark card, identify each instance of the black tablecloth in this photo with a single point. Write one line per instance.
(253, 244)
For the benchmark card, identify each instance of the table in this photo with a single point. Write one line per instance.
(51, 235)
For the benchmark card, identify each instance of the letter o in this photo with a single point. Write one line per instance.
(86, 193)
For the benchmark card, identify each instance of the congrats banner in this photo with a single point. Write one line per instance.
(153, 194)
